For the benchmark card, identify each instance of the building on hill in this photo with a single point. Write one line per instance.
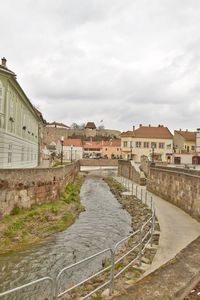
(54, 133)
(154, 142)
(19, 124)
(111, 148)
(57, 125)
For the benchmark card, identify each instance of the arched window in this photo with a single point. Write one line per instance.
(1, 97)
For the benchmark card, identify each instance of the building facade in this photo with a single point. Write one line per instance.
(156, 143)
(184, 141)
(72, 149)
(19, 124)
(111, 149)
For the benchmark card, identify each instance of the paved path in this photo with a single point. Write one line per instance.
(177, 228)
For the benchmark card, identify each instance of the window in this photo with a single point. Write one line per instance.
(192, 148)
(9, 153)
(22, 154)
(161, 145)
(153, 145)
(1, 97)
(138, 144)
(125, 144)
(146, 144)
(169, 146)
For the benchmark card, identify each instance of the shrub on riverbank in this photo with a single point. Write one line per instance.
(29, 226)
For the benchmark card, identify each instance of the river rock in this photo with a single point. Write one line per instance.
(105, 293)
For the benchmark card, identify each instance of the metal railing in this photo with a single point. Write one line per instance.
(143, 237)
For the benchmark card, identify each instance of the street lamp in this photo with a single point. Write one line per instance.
(61, 157)
(71, 152)
(152, 156)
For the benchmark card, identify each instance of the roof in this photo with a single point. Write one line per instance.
(92, 145)
(127, 134)
(159, 132)
(73, 142)
(5, 70)
(90, 125)
(112, 143)
(187, 135)
(57, 124)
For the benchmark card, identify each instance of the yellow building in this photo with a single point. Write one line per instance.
(184, 141)
(154, 142)
(112, 148)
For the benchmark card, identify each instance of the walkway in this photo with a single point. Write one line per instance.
(177, 228)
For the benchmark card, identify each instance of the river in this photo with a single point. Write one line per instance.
(101, 225)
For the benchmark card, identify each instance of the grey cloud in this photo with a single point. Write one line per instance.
(127, 62)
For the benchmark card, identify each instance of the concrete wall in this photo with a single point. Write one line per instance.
(25, 187)
(178, 186)
(126, 170)
(98, 162)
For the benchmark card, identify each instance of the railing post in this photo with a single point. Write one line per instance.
(151, 203)
(132, 189)
(136, 190)
(140, 255)
(152, 227)
(141, 194)
(112, 274)
(146, 198)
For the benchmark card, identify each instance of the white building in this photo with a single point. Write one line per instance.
(19, 124)
(156, 143)
(72, 149)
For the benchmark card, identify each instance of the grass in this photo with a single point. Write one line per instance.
(115, 184)
(24, 227)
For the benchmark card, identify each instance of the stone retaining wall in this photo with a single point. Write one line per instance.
(98, 162)
(178, 186)
(172, 281)
(25, 187)
(126, 170)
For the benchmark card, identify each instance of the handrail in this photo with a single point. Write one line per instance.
(29, 284)
(141, 244)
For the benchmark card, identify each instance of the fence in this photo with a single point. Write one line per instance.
(144, 237)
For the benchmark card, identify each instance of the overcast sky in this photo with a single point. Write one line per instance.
(122, 61)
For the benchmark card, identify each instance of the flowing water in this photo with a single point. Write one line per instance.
(101, 225)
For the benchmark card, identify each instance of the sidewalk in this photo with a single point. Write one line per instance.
(177, 229)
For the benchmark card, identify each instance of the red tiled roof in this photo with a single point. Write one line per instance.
(187, 135)
(92, 145)
(112, 143)
(159, 132)
(73, 142)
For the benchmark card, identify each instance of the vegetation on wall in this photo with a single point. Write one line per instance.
(29, 226)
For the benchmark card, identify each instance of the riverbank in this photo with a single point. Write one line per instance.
(140, 213)
(30, 226)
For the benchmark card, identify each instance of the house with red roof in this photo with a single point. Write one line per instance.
(154, 142)
(92, 149)
(72, 149)
(111, 149)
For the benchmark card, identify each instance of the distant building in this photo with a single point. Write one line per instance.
(184, 141)
(57, 125)
(19, 124)
(72, 149)
(187, 147)
(111, 148)
(154, 142)
(92, 149)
